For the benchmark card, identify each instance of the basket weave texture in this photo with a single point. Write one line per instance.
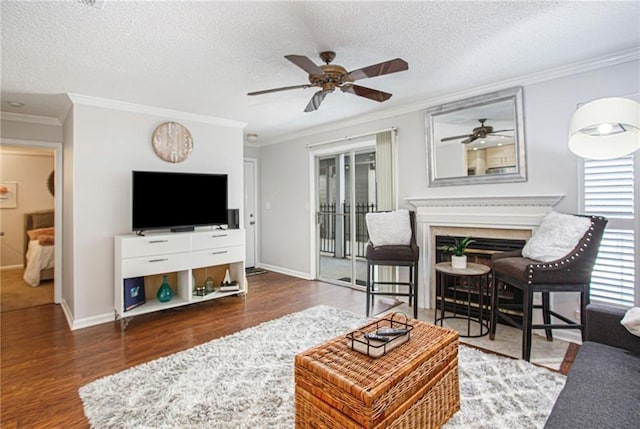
(413, 386)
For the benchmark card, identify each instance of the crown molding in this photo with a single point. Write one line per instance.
(87, 100)
(31, 119)
(619, 57)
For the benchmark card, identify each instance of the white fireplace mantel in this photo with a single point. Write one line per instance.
(485, 213)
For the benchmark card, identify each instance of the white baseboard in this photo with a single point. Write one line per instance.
(11, 267)
(286, 271)
(67, 312)
(87, 321)
(92, 321)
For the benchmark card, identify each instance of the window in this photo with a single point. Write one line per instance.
(608, 190)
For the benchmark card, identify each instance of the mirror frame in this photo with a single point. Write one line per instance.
(520, 175)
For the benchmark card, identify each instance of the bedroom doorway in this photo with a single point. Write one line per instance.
(29, 174)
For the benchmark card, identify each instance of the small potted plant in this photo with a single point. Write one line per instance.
(457, 250)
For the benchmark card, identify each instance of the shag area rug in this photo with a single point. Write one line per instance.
(245, 380)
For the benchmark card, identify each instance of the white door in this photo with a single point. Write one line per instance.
(249, 211)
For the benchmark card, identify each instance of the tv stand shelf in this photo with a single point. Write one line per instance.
(181, 256)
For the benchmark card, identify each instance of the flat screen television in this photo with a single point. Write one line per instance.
(177, 201)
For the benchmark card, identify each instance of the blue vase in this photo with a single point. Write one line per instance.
(165, 293)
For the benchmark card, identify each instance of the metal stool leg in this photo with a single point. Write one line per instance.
(546, 316)
(527, 309)
(369, 287)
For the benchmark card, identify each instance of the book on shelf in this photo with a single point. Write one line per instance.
(133, 293)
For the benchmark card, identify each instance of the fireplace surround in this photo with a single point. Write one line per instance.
(493, 217)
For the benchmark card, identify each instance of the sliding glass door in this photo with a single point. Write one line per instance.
(346, 191)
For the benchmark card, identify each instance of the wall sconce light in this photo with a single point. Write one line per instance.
(252, 137)
(606, 128)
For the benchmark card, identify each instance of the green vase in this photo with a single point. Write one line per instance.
(165, 293)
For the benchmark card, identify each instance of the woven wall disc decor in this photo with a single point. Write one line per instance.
(172, 142)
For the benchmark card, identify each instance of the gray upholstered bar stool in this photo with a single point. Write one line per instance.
(397, 256)
(571, 273)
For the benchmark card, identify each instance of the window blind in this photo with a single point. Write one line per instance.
(608, 187)
(608, 190)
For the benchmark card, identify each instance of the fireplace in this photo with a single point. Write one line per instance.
(501, 218)
(478, 252)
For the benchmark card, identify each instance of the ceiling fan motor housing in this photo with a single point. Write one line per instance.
(333, 76)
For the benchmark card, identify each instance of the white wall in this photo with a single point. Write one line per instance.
(284, 207)
(552, 169)
(68, 235)
(104, 146)
(16, 127)
(251, 152)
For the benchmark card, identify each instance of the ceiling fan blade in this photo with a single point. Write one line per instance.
(315, 101)
(305, 64)
(446, 139)
(284, 88)
(372, 94)
(500, 131)
(469, 140)
(387, 67)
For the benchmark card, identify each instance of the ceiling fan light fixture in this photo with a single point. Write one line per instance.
(606, 128)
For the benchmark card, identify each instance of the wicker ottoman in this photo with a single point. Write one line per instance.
(413, 386)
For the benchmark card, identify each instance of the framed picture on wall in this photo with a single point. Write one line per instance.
(8, 195)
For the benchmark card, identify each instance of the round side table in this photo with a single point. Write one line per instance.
(473, 271)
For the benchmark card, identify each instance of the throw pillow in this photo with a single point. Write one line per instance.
(557, 235)
(631, 320)
(35, 233)
(389, 228)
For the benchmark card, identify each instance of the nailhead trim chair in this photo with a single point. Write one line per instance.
(572, 273)
(400, 256)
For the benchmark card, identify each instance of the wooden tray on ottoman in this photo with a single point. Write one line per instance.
(413, 386)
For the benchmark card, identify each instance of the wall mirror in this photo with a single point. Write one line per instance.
(477, 140)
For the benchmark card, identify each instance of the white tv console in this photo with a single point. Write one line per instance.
(182, 253)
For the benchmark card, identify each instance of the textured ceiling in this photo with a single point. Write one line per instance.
(203, 57)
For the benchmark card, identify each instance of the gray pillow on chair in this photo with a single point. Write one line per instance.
(389, 228)
(557, 235)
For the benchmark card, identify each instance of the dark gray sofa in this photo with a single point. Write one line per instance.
(603, 386)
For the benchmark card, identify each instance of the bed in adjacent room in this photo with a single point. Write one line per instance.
(39, 247)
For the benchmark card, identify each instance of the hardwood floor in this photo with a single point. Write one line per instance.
(43, 363)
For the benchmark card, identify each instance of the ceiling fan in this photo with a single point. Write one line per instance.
(329, 76)
(480, 132)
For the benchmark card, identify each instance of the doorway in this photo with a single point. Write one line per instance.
(345, 193)
(31, 171)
